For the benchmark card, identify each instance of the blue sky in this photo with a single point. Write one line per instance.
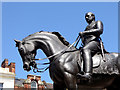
(22, 19)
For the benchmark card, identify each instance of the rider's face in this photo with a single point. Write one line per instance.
(89, 18)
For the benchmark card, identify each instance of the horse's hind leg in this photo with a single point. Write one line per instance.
(58, 87)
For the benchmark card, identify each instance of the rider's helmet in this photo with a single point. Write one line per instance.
(89, 17)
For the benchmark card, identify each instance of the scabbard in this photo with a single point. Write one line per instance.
(102, 49)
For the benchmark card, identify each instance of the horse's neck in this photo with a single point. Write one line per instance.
(50, 45)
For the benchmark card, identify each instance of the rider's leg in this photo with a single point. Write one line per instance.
(87, 57)
(87, 65)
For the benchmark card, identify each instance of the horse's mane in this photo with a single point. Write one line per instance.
(60, 37)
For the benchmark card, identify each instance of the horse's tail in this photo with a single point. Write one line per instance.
(118, 61)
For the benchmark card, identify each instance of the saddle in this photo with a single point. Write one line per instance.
(98, 56)
(96, 60)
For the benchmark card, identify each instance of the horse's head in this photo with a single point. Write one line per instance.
(49, 42)
(27, 52)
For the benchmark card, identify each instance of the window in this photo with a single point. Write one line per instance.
(1, 86)
(33, 85)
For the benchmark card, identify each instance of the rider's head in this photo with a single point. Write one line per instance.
(89, 17)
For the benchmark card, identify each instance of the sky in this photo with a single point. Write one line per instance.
(20, 19)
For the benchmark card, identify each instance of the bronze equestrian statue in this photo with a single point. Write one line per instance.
(91, 42)
(66, 61)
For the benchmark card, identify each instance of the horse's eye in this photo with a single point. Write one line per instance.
(23, 43)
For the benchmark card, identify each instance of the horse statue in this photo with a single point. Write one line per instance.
(64, 66)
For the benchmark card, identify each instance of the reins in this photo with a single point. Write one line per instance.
(61, 52)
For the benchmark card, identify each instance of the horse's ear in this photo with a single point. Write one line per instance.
(17, 42)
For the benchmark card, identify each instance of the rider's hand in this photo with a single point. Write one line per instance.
(80, 34)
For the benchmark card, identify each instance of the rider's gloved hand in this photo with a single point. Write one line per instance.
(80, 34)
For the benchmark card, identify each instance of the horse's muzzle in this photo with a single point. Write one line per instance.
(33, 64)
(26, 66)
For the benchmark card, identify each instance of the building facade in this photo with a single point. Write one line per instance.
(8, 80)
(33, 82)
(7, 74)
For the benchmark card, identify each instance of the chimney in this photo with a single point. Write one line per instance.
(4, 63)
(12, 67)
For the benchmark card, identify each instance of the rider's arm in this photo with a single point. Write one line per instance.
(97, 31)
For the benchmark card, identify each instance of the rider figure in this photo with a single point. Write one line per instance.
(91, 42)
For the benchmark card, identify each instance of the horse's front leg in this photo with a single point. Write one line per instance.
(58, 87)
(70, 81)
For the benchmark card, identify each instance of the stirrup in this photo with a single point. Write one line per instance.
(85, 76)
